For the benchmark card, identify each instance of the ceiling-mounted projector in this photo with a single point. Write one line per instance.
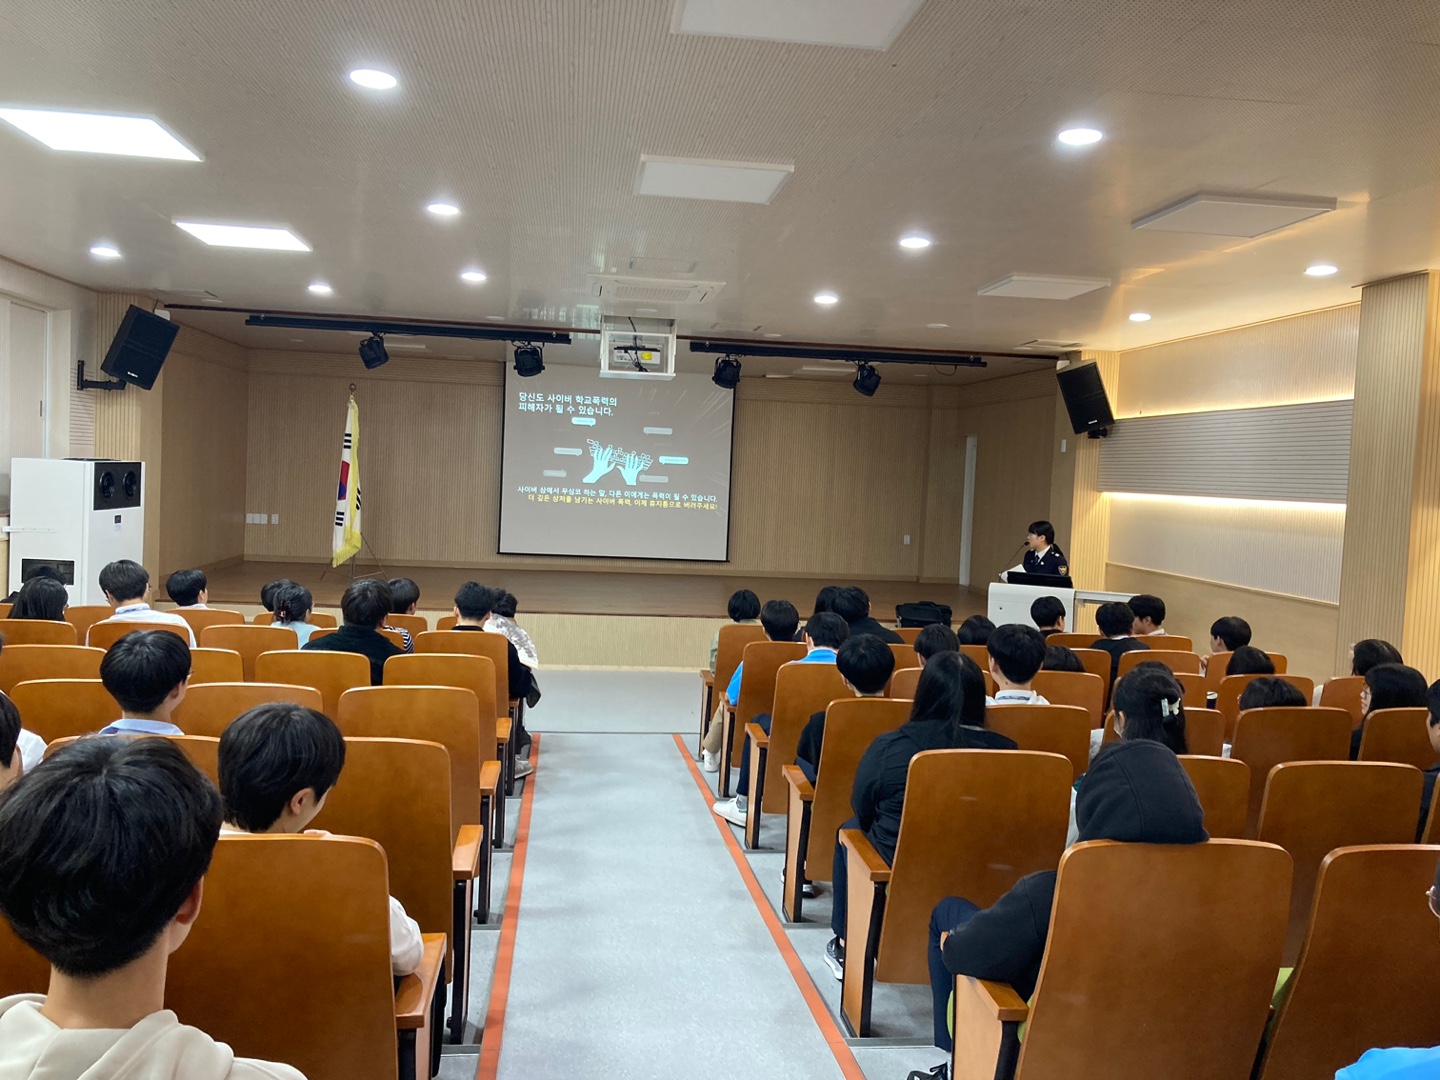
(632, 348)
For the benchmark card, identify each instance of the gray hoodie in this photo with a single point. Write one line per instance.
(159, 1047)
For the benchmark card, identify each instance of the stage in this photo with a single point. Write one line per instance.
(589, 618)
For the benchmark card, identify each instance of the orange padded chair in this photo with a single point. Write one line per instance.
(1204, 731)
(84, 616)
(732, 641)
(1400, 735)
(1344, 693)
(476, 643)
(104, 634)
(1232, 686)
(905, 656)
(22, 663)
(762, 662)
(215, 665)
(332, 673)
(315, 618)
(1223, 785)
(1054, 729)
(1079, 688)
(1265, 738)
(58, 708)
(904, 682)
(1175, 660)
(202, 752)
(208, 708)
(37, 632)
(908, 634)
(200, 618)
(416, 624)
(249, 642)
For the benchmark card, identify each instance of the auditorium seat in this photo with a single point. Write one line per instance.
(974, 823)
(1223, 786)
(1218, 662)
(733, 639)
(1313, 807)
(476, 643)
(1194, 687)
(208, 709)
(23, 663)
(203, 752)
(36, 632)
(200, 618)
(1399, 735)
(57, 708)
(904, 682)
(1072, 640)
(762, 660)
(908, 634)
(1227, 698)
(215, 665)
(392, 636)
(1204, 731)
(84, 616)
(446, 622)
(1265, 738)
(1079, 688)
(104, 634)
(1141, 998)
(1344, 693)
(315, 618)
(1175, 660)
(332, 673)
(905, 656)
(1053, 729)
(1096, 662)
(816, 812)
(1178, 642)
(249, 642)
(416, 624)
(979, 653)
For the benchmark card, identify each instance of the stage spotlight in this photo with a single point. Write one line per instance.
(867, 380)
(372, 351)
(528, 361)
(727, 373)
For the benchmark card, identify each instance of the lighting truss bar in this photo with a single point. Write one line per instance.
(411, 329)
(737, 347)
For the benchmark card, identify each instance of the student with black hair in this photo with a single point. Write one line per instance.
(1149, 703)
(1017, 653)
(824, 635)
(947, 715)
(1388, 686)
(1149, 613)
(43, 570)
(1365, 655)
(404, 596)
(744, 609)
(825, 599)
(1042, 556)
(1228, 633)
(1268, 692)
(127, 589)
(1048, 614)
(852, 604)
(975, 630)
(268, 591)
(364, 606)
(1059, 658)
(12, 761)
(188, 588)
(147, 673)
(935, 638)
(292, 604)
(102, 854)
(866, 664)
(503, 607)
(1116, 621)
(474, 604)
(781, 622)
(41, 598)
(1432, 729)
(1248, 660)
(278, 762)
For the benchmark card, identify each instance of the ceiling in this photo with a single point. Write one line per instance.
(532, 116)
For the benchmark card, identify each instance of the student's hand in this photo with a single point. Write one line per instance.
(943, 935)
(315, 832)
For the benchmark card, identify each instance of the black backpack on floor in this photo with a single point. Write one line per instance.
(922, 613)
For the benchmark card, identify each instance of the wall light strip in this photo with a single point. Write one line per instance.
(1229, 503)
(1235, 408)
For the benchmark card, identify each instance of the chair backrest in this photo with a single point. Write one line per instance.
(1194, 687)
(200, 618)
(905, 656)
(268, 901)
(104, 634)
(1344, 693)
(908, 634)
(728, 654)
(332, 673)
(1096, 662)
(22, 969)
(203, 752)
(56, 708)
(84, 616)
(1265, 738)
(476, 643)
(215, 665)
(1053, 729)
(249, 641)
(1201, 977)
(974, 823)
(208, 708)
(904, 682)
(1174, 659)
(416, 624)
(446, 622)
(37, 632)
(1232, 686)
(473, 673)
(1079, 688)
(979, 653)
(763, 660)
(1218, 662)
(1204, 731)
(315, 618)
(1313, 807)
(850, 727)
(1399, 735)
(24, 663)
(1072, 640)
(397, 793)
(1369, 970)
(801, 690)
(1223, 785)
(392, 636)
(1177, 642)
(447, 715)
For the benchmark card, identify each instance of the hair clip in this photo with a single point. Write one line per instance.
(1168, 710)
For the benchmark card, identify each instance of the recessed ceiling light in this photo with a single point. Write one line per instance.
(1322, 270)
(774, 335)
(826, 298)
(105, 251)
(937, 326)
(264, 237)
(1139, 316)
(373, 79)
(473, 276)
(915, 241)
(99, 133)
(319, 288)
(1080, 136)
(443, 209)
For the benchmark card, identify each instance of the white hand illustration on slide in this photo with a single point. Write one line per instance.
(608, 458)
(604, 458)
(630, 466)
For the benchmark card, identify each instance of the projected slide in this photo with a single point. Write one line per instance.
(626, 468)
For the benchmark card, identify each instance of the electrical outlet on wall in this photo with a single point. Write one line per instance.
(907, 538)
(274, 519)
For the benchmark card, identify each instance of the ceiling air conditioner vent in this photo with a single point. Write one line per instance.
(619, 289)
(1047, 345)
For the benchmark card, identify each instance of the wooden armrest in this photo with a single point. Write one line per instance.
(503, 727)
(707, 677)
(757, 735)
(514, 703)
(797, 779)
(876, 868)
(465, 859)
(489, 778)
(417, 990)
(1002, 1001)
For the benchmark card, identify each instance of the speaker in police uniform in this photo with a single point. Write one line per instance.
(1042, 556)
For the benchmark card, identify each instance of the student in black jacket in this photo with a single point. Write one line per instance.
(1116, 621)
(473, 605)
(866, 664)
(365, 606)
(949, 714)
(853, 605)
(1432, 728)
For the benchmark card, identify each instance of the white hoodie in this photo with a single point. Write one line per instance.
(159, 1047)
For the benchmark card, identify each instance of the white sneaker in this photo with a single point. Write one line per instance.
(523, 768)
(732, 810)
(709, 762)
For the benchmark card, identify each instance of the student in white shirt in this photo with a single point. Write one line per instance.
(1016, 653)
(1149, 613)
(188, 588)
(147, 673)
(277, 763)
(12, 762)
(102, 855)
(127, 589)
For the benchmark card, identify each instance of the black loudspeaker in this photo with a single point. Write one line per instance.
(140, 347)
(1085, 400)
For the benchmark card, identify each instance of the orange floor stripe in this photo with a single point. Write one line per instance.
(491, 1038)
(818, 1009)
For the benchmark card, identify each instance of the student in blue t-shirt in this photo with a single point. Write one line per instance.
(781, 622)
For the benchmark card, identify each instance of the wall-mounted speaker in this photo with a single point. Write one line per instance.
(140, 347)
(1085, 400)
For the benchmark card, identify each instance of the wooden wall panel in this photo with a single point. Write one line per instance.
(1421, 635)
(1012, 477)
(1089, 541)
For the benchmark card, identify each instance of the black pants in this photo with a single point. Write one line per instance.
(742, 786)
(951, 912)
(839, 885)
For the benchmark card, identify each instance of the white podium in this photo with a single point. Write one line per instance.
(1011, 603)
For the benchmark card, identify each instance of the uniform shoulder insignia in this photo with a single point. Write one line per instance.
(1064, 570)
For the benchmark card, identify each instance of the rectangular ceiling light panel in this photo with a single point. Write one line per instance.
(263, 237)
(1044, 286)
(855, 24)
(724, 181)
(98, 133)
(1233, 215)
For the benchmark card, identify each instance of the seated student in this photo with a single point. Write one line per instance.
(853, 605)
(502, 621)
(41, 598)
(147, 673)
(12, 761)
(949, 713)
(932, 639)
(102, 854)
(1248, 660)
(1136, 792)
(1364, 655)
(474, 604)
(781, 622)
(866, 664)
(975, 630)
(825, 599)
(404, 596)
(1048, 613)
(1059, 658)
(1388, 686)
(1116, 621)
(188, 588)
(1432, 729)
(1017, 653)
(268, 591)
(363, 606)
(127, 588)
(1148, 703)
(278, 761)
(824, 635)
(1226, 635)
(743, 608)
(291, 605)
(1149, 614)
(1268, 692)
(44, 570)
